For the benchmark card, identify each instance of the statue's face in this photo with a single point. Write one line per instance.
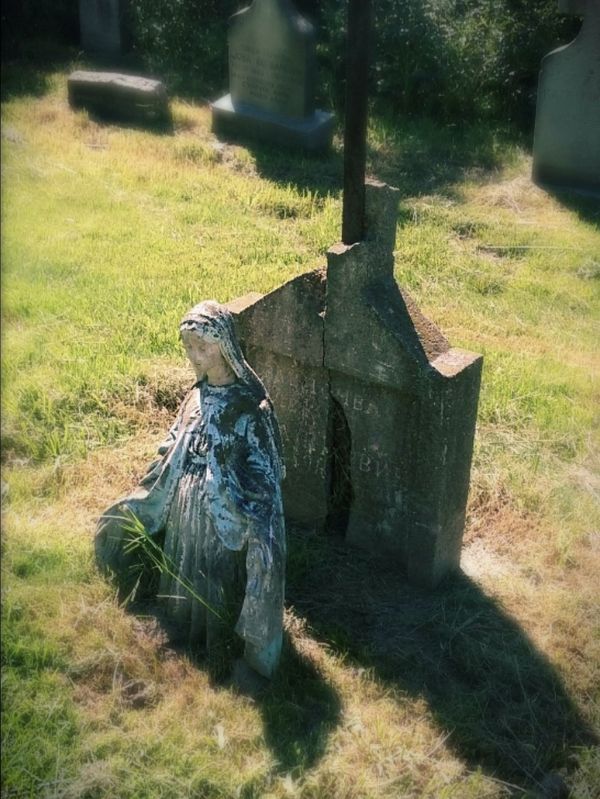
(204, 355)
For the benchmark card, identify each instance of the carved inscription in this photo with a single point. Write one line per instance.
(357, 403)
(263, 79)
(271, 60)
(299, 439)
(378, 425)
(381, 466)
(301, 403)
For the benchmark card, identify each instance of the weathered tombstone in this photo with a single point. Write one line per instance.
(116, 96)
(566, 148)
(102, 26)
(377, 410)
(272, 57)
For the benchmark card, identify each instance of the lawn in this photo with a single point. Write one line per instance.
(486, 687)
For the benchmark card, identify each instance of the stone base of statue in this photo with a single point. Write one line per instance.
(240, 121)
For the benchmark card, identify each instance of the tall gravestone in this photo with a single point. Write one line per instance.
(272, 60)
(566, 148)
(377, 410)
(103, 26)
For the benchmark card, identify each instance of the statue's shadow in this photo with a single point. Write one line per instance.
(299, 706)
(299, 710)
(499, 699)
(500, 703)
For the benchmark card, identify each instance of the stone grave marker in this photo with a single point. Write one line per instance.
(566, 147)
(102, 26)
(377, 409)
(115, 96)
(272, 60)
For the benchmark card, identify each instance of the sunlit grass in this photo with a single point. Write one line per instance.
(109, 235)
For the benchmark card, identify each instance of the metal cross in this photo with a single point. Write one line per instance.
(355, 125)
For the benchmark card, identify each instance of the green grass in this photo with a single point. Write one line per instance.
(478, 690)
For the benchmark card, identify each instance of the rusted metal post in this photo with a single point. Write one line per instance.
(355, 124)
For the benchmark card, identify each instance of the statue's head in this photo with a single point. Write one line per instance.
(208, 335)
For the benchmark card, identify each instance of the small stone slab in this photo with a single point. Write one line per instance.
(117, 96)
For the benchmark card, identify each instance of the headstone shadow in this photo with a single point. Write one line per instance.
(585, 205)
(154, 127)
(299, 710)
(299, 707)
(500, 700)
(318, 172)
(418, 157)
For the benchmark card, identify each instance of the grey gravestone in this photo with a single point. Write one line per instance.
(272, 56)
(377, 410)
(116, 96)
(102, 26)
(566, 148)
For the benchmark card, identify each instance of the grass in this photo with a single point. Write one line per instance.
(485, 688)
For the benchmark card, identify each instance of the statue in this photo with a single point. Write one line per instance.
(211, 505)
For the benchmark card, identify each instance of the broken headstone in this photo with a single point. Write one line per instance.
(377, 410)
(115, 96)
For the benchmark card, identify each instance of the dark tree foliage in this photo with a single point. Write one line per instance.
(185, 41)
(452, 59)
(49, 20)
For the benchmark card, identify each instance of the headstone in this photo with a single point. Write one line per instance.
(116, 96)
(566, 148)
(272, 59)
(102, 26)
(377, 410)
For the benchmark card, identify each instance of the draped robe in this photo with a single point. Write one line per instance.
(214, 492)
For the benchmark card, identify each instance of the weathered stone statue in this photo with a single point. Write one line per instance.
(214, 493)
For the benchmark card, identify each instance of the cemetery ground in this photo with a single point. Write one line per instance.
(485, 687)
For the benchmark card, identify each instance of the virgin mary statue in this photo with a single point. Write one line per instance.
(212, 503)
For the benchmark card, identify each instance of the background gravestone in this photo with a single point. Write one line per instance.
(102, 26)
(377, 410)
(566, 148)
(114, 96)
(272, 62)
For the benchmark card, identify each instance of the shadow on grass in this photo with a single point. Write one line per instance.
(585, 205)
(418, 156)
(499, 699)
(298, 706)
(300, 709)
(31, 75)
(157, 127)
(22, 80)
